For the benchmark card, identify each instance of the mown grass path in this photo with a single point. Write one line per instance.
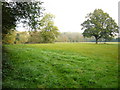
(60, 65)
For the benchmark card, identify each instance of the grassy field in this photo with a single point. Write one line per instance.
(60, 65)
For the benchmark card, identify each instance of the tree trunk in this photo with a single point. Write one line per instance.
(105, 41)
(96, 40)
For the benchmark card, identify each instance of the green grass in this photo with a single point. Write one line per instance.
(60, 65)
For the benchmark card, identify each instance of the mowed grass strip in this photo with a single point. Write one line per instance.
(60, 65)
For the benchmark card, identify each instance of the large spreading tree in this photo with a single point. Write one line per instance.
(99, 25)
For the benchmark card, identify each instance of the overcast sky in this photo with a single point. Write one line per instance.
(69, 14)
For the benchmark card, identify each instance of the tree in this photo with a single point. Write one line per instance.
(35, 37)
(8, 18)
(49, 32)
(99, 25)
(21, 37)
(26, 12)
(10, 37)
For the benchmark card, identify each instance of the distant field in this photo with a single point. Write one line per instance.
(91, 42)
(60, 65)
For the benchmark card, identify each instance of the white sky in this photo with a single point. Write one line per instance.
(69, 14)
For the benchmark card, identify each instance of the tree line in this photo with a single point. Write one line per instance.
(98, 26)
(24, 37)
(41, 25)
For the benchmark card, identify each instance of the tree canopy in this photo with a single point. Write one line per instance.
(27, 12)
(99, 25)
(49, 31)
